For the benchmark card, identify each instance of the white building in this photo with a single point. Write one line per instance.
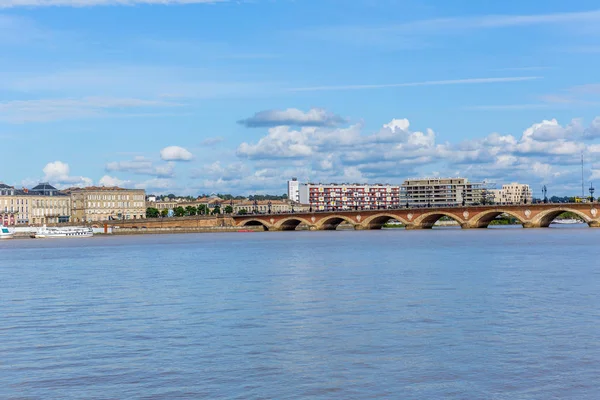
(440, 192)
(514, 193)
(345, 196)
(293, 190)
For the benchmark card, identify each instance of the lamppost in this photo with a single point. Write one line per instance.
(544, 191)
(255, 211)
(269, 204)
(231, 205)
(292, 208)
(592, 190)
(464, 193)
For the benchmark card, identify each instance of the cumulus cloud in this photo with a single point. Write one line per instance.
(292, 117)
(175, 153)
(546, 152)
(90, 3)
(58, 172)
(110, 181)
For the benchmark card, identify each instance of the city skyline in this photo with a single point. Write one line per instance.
(216, 96)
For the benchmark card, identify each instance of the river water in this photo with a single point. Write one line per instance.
(443, 314)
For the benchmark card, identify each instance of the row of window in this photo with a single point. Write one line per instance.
(114, 197)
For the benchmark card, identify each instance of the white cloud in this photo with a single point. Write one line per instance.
(110, 181)
(279, 143)
(58, 172)
(293, 117)
(544, 153)
(90, 3)
(175, 153)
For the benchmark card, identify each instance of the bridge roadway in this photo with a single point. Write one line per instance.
(538, 215)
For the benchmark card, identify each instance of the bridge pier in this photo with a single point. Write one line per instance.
(594, 224)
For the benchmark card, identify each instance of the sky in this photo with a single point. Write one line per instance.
(203, 96)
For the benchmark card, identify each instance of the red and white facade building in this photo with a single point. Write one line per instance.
(335, 197)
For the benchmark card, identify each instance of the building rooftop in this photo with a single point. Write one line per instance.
(96, 188)
(44, 186)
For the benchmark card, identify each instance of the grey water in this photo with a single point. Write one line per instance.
(443, 314)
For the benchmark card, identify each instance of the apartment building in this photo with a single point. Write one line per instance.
(94, 204)
(432, 192)
(333, 196)
(294, 190)
(513, 193)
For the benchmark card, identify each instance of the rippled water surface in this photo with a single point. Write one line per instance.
(474, 314)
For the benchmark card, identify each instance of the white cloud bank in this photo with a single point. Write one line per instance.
(175, 153)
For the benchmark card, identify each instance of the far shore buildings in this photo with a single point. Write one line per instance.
(348, 196)
(420, 192)
(513, 193)
(95, 204)
(43, 204)
(238, 205)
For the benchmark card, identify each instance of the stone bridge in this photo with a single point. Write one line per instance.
(529, 215)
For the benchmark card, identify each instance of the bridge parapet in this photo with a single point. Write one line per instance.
(529, 216)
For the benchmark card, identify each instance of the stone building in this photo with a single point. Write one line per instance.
(95, 204)
(44, 204)
(262, 207)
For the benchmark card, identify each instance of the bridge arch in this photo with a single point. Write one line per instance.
(290, 224)
(427, 220)
(255, 222)
(330, 223)
(483, 219)
(377, 221)
(545, 218)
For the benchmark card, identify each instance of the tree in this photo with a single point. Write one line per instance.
(190, 210)
(242, 211)
(228, 209)
(164, 213)
(216, 210)
(202, 209)
(179, 211)
(152, 212)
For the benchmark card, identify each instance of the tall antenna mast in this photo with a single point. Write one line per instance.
(582, 189)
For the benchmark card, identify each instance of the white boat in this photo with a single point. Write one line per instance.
(5, 233)
(567, 221)
(63, 232)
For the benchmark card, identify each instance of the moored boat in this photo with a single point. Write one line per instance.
(567, 221)
(6, 233)
(63, 232)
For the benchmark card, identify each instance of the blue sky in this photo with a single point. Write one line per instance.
(197, 96)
